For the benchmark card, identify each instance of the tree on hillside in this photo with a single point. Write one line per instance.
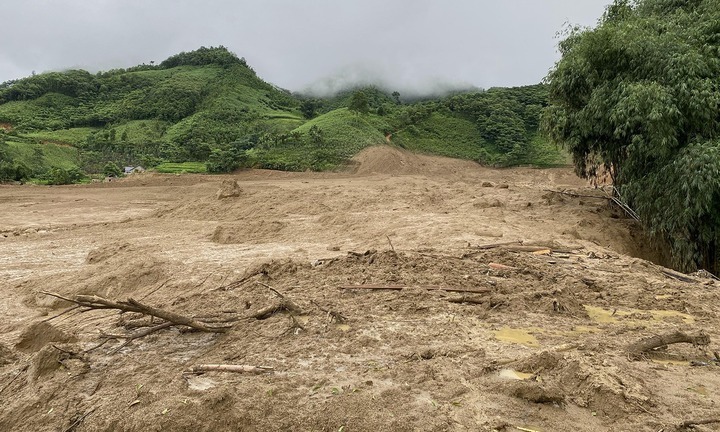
(639, 96)
(309, 107)
(111, 169)
(396, 97)
(359, 103)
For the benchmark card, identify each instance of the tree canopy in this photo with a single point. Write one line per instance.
(639, 97)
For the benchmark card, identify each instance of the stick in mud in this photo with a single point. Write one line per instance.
(96, 302)
(79, 420)
(391, 245)
(692, 423)
(637, 350)
(402, 287)
(231, 368)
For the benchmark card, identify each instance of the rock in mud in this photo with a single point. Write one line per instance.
(229, 189)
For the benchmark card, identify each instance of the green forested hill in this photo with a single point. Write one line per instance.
(209, 106)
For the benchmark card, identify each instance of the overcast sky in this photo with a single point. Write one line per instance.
(301, 44)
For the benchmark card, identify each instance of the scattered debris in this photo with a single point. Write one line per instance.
(230, 368)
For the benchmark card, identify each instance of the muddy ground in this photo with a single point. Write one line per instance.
(541, 346)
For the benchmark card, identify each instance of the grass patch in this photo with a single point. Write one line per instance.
(346, 133)
(542, 153)
(73, 136)
(445, 136)
(182, 168)
(43, 156)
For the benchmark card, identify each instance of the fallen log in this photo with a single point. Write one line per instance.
(266, 312)
(497, 245)
(693, 423)
(463, 299)
(522, 248)
(231, 368)
(428, 288)
(678, 276)
(637, 350)
(131, 305)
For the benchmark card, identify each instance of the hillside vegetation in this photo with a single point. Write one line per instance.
(639, 97)
(209, 107)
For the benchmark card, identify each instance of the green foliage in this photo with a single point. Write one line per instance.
(309, 107)
(74, 136)
(207, 106)
(506, 118)
(445, 135)
(181, 168)
(228, 159)
(316, 135)
(12, 170)
(61, 176)
(111, 169)
(639, 96)
(203, 56)
(359, 103)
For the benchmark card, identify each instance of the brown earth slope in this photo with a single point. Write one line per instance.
(544, 348)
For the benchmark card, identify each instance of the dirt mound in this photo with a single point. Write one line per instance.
(389, 160)
(40, 334)
(248, 232)
(229, 189)
(118, 269)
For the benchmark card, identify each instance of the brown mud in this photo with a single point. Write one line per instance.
(544, 349)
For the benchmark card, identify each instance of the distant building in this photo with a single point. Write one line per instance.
(133, 170)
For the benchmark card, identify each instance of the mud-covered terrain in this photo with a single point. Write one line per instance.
(506, 306)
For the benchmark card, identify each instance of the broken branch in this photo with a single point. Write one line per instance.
(463, 299)
(231, 368)
(637, 350)
(402, 287)
(390, 241)
(678, 276)
(337, 316)
(95, 302)
(692, 423)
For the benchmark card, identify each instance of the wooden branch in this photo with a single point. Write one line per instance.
(266, 312)
(68, 310)
(140, 333)
(239, 282)
(231, 368)
(337, 316)
(497, 245)
(374, 287)
(285, 303)
(522, 248)
(678, 276)
(79, 420)
(390, 241)
(463, 299)
(177, 318)
(637, 350)
(96, 302)
(402, 287)
(691, 423)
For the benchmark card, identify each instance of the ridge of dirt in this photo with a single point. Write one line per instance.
(568, 288)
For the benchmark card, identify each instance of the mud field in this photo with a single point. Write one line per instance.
(536, 333)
